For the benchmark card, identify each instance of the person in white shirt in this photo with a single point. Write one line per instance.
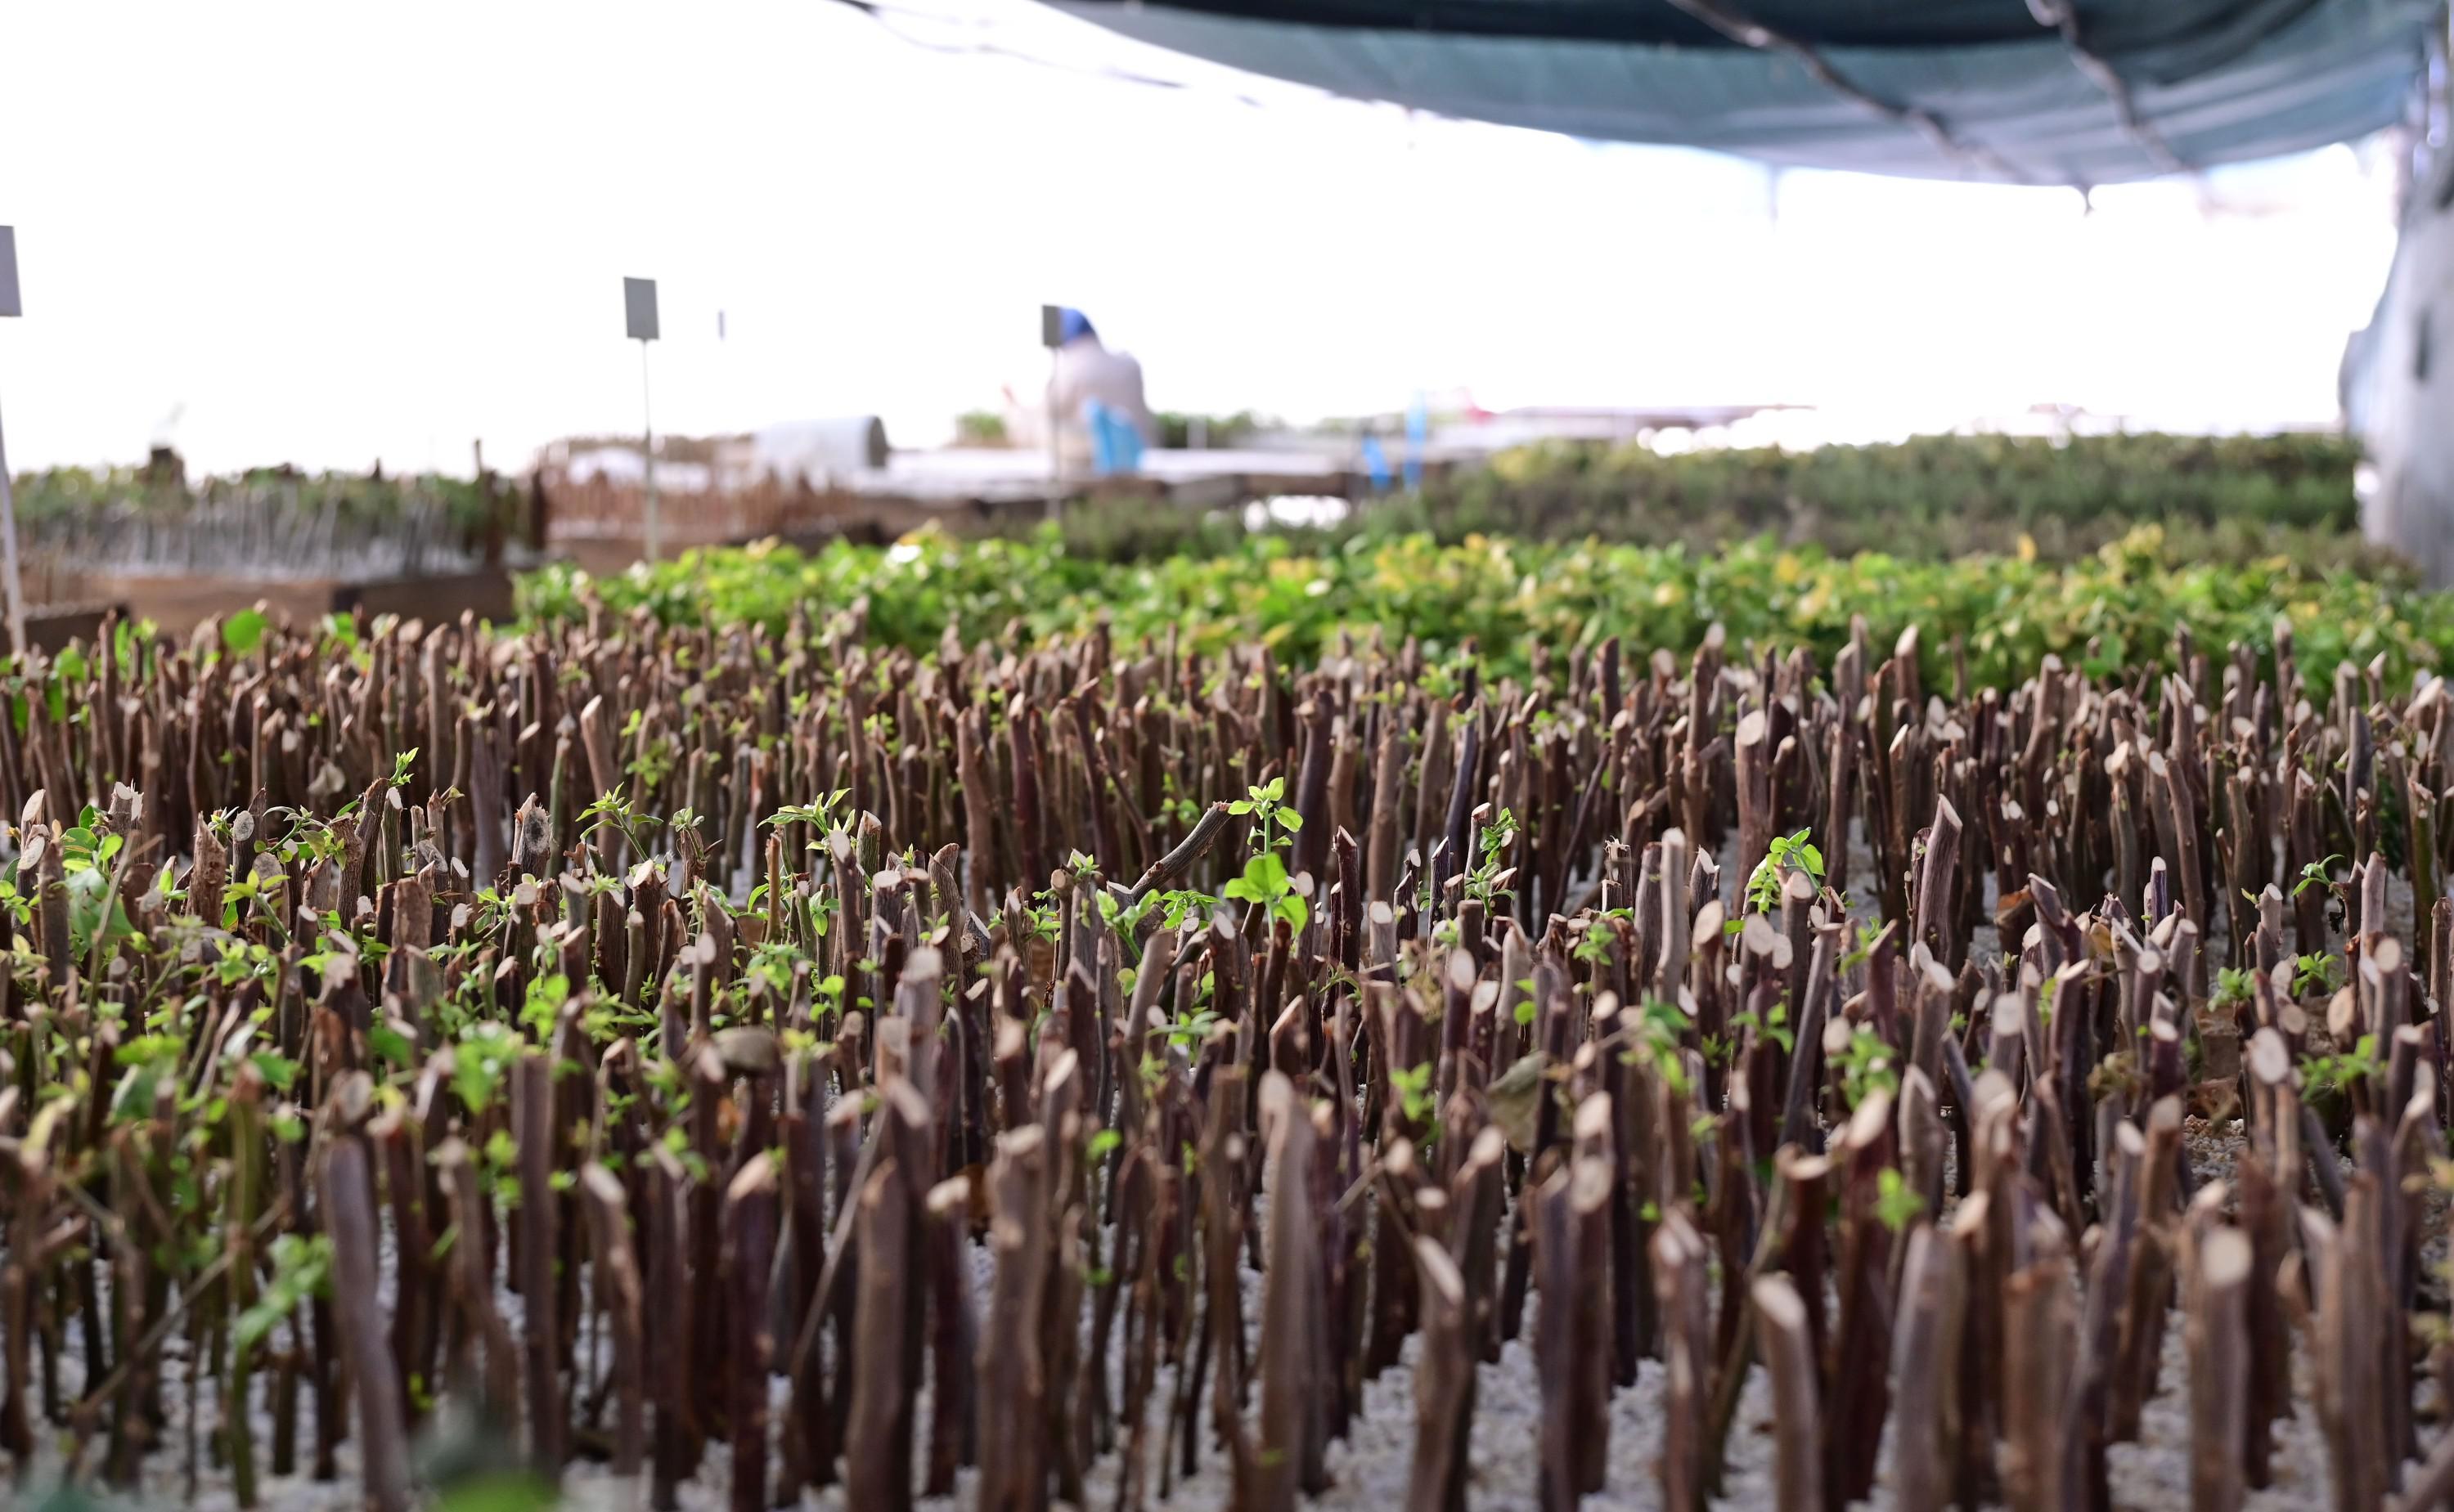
(1086, 372)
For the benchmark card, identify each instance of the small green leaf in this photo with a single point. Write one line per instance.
(1267, 874)
(244, 631)
(1895, 1203)
(389, 1045)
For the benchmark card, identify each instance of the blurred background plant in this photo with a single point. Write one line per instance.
(2233, 499)
(1986, 620)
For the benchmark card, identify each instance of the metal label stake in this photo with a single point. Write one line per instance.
(639, 316)
(10, 305)
(1051, 335)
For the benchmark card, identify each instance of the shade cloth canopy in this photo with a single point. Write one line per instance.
(2047, 91)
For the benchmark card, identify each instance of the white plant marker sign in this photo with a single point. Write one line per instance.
(10, 305)
(639, 320)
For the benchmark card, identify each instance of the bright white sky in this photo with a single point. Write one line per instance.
(329, 233)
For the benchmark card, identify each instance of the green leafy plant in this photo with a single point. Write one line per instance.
(623, 815)
(1189, 1028)
(818, 815)
(1771, 1025)
(88, 859)
(1266, 804)
(2322, 1074)
(1867, 1064)
(1860, 953)
(2316, 874)
(1414, 1095)
(2314, 975)
(1896, 1206)
(1265, 883)
(2117, 607)
(244, 631)
(1487, 880)
(302, 1270)
(480, 1060)
(1787, 853)
(543, 1005)
(1657, 1036)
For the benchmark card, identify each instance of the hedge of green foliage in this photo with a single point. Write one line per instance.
(2117, 608)
(354, 498)
(2228, 499)
(1932, 496)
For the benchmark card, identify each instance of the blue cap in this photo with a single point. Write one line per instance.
(1073, 323)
